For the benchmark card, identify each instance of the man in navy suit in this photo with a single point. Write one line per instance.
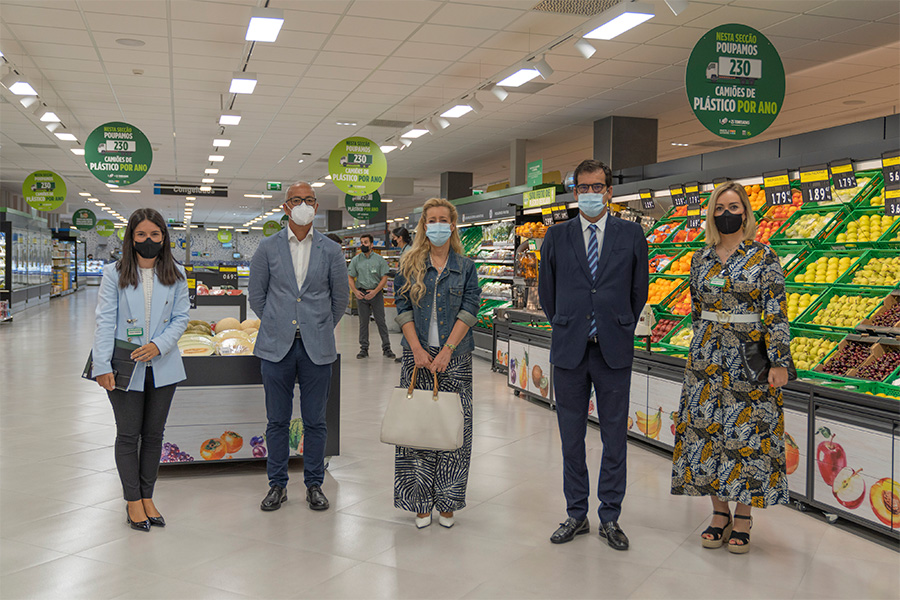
(299, 290)
(593, 286)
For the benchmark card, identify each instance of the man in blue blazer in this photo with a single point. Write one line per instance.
(299, 290)
(593, 286)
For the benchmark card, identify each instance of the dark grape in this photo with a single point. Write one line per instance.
(851, 356)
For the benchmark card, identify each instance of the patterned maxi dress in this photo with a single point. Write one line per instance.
(729, 432)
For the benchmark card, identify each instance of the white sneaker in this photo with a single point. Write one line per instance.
(445, 521)
(423, 522)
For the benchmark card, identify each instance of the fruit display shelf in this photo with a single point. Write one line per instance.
(683, 237)
(680, 212)
(801, 297)
(662, 288)
(884, 390)
(680, 337)
(659, 259)
(841, 309)
(680, 265)
(862, 228)
(882, 365)
(757, 195)
(876, 268)
(666, 323)
(661, 231)
(679, 302)
(771, 219)
(824, 266)
(853, 351)
(790, 257)
(810, 347)
(885, 321)
(811, 226)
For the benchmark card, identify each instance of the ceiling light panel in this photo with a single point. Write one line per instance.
(242, 83)
(265, 23)
(519, 77)
(619, 19)
(457, 111)
(231, 118)
(220, 143)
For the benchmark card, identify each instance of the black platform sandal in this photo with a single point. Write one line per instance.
(719, 533)
(743, 537)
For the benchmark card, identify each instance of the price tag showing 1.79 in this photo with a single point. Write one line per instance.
(814, 184)
(647, 199)
(842, 174)
(778, 187)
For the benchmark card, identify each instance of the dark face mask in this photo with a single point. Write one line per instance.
(393, 242)
(366, 248)
(148, 248)
(728, 222)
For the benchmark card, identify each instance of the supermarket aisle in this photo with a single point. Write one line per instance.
(62, 531)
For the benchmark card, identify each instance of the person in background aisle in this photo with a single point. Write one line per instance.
(143, 300)
(400, 239)
(729, 433)
(335, 238)
(593, 286)
(298, 287)
(437, 298)
(368, 274)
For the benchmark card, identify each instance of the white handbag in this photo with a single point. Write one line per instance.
(423, 419)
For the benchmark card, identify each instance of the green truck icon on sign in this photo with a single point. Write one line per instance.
(740, 70)
(356, 160)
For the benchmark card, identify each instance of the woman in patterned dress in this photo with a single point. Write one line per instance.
(729, 441)
(437, 302)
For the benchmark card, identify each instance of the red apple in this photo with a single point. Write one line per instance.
(830, 457)
(849, 488)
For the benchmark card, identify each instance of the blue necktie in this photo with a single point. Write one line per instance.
(593, 262)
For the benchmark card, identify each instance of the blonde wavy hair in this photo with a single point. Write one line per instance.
(712, 232)
(412, 267)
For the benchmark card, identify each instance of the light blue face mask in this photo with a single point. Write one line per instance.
(591, 204)
(438, 233)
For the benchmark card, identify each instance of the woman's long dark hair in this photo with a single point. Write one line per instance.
(127, 266)
(403, 234)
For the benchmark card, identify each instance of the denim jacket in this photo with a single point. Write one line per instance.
(458, 297)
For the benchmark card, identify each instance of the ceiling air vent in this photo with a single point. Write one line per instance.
(586, 8)
(388, 124)
(44, 146)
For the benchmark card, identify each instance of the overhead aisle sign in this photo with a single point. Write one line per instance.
(357, 166)
(735, 81)
(44, 190)
(118, 153)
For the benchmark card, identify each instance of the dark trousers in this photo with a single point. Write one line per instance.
(573, 389)
(315, 381)
(374, 307)
(140, 422)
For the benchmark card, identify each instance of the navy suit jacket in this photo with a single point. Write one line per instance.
(569, 295)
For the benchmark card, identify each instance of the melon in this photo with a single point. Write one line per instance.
(250, 324)
(199, 329)
(198, 322)
(227, 323)
(235, 346)
(231, 334)
(196, 345)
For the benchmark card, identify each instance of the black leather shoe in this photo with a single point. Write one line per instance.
(614, 535)
(315, 498)
(568, 530)
(157, 521)
(139, 525)
(389, 353)
(363, 354)
(274, 499)
(398, 360)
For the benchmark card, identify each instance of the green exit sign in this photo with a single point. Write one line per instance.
(273, 186)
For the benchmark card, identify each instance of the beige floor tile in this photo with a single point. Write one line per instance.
(666, 583)
(851, 576)
(369, 580)
(350, 536)
(18, 508)
(176, 589)
(16, 556)
(72, 531)
(74, 577)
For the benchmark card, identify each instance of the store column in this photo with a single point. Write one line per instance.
(456, 185)
(334, 220)
(517, 166)
(624, 142)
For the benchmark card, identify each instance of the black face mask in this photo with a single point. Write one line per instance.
(393, 242)
(366, 249)
(148, 248)
(728, 222)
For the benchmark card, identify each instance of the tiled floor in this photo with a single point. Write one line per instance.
(62, 531)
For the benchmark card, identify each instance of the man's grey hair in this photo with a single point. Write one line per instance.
(288, 190)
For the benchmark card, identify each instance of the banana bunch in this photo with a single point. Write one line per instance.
(651, 424)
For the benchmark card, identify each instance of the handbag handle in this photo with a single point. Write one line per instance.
(412, 384)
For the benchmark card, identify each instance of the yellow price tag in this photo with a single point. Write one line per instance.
(776, 181)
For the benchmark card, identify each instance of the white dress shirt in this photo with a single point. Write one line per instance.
(601, 229)
(300, 254)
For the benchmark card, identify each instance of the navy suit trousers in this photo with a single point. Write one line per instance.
(573, 389)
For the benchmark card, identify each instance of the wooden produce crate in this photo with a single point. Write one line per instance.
(891, 303)
(823, 365)
(885, 347)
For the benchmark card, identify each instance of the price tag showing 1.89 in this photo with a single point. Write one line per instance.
(778, 187)
(814, 184)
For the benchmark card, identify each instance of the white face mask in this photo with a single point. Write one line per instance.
(303, 214)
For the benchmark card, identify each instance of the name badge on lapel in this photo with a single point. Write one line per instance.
(717, 281)
(135, 331)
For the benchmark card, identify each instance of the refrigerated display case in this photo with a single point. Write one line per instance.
(27, 262)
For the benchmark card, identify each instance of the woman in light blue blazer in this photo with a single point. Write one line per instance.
(143, 300)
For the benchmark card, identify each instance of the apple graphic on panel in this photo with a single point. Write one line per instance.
(791, 453)
(849, 488)
(830, 457)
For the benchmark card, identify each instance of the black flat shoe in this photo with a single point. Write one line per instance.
(614, 535)
(315, 498)
(568, 530)
(274, 499)
(389, 354)
(157, 521)
(139, 525)
(363, 354)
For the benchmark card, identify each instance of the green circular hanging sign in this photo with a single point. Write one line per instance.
(357, 166)
(271, 228)
(118, 153)
(363, 207)
(44, 190)
(105, 227)
(735, 81)
(84, 219)
(120, 233)
(224, 235)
